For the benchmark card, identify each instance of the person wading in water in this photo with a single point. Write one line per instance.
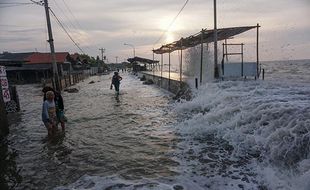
(116, 82)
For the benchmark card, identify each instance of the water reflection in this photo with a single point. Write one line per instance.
(105, 135)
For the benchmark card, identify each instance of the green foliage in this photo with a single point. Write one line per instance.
(87, 59)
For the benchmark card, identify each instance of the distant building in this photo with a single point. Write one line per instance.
(140, 63)
(32, 67)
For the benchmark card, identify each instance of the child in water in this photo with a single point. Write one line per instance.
(49, 112)
(59, 106)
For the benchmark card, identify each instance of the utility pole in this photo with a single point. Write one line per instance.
(102, 51)
(50, 40)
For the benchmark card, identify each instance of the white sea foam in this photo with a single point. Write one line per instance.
(266, 123)
(236, 135)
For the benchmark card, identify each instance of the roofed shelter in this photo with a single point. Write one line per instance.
(136, 61)
(208, 36)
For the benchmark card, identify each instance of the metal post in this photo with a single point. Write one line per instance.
(263, 74)
(51, 42)
(153, 67)
(216, 74)
(257, 57)
(161, 69)
(181, 63)
(222, 63)
(169, 71)
(242, 59)
(226, 50)
(201, 56)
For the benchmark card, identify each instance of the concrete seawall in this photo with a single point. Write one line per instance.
(173, 84)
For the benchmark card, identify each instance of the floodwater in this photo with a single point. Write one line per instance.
(105, 135)
(241, 134)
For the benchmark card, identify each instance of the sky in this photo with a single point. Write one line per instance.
(93, 24)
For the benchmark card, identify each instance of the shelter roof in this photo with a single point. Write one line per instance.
(142, 60)
(42, 58)
(205, 36)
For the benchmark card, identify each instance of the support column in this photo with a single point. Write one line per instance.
(242, 59)
(224, 54)
(181, 63)
(216, 74)
(153, 68)
(169, 71)
(257, 56)
(161, 69)
(201, 56)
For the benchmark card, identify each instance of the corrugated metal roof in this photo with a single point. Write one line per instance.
(207, 36)
(142, 60)
(40, 58)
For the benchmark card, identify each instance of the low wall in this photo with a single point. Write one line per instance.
(173, 86)
(67, 80)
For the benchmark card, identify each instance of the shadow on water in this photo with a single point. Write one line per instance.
(9, 173)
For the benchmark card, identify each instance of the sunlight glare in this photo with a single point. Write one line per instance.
(169, 37)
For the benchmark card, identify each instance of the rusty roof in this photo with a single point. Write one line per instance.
(142, 60)
(42, 58)
(205, 36)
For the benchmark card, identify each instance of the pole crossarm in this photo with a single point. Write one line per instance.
(208, 37)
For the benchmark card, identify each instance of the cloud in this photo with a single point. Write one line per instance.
(110, 23)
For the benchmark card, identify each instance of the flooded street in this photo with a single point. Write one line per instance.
(105, 135)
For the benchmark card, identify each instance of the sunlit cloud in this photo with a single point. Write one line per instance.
(111, 23)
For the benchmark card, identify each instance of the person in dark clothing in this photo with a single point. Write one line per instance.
(116, 82)
(59, 105)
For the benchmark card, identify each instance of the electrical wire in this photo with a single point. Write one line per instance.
(74, 18)
(61, 25)
(7, 5)
(15, 3)
(74, 26)
(79, 25)
(63, 13)
(174, 19)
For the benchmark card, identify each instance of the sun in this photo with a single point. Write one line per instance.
(164, 25)
(169, 37)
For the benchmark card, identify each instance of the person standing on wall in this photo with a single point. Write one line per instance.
(116, 82)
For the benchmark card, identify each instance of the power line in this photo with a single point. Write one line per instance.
(63, 13)
(74, 18)
(79, 27)
(174, 19)
(73, 26)
(7, 5)
(61, 25)
(15, 3)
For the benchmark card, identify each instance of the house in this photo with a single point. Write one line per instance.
(32, 67)
(13, 59)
